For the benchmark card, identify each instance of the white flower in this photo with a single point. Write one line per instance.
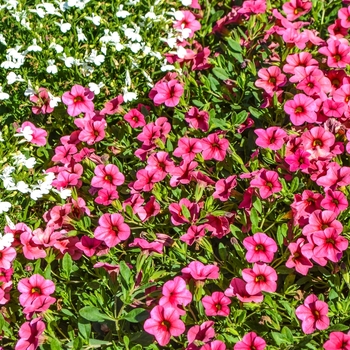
(2, 39)
(133, 34)
(104, 49)
(12, 78)
(167, 67)
(1, 139)
(36, 194)
(14, 58)
(29, 91)
(96, 59)
(135, 47)
(26, 132)
(3, 95)
(51, 68)
(50, 9)
(9, 222)
(128, 96)
(96, 20)
(5, 207)
(178, 15)
(119, 46)
(64, 27)
(6, 240)
(150, 14)
(186, 2)
(96, 89)
(122, 13)
(39, 11)
(58, 48)
(22, 187)
(81, 35)
(64, 192)
(34, 47)
(53, 100)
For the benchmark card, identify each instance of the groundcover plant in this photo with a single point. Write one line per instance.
(174, 175)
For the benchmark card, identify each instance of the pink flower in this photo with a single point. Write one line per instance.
(175, 293)
(238, 289)
(112, 229)
(204, 333)
(64, 154)
(30, 334)
(214, 345)
(297, 259)
(343, 15)
(271, 79)
(272, 138)
(186, 22)
(194, 234)
(163, 324)
(318, 142)
(7, 255)
(320, 220)
(197, 119)
(42, 101)
(34, 287)
(296, 8)
(93, 131)
(88, 245)
(147, 247)
(187, 148)
(199, 271)
(250, 341)
(267, 182)
(168, 93)
(216, 304)
(146, 179)
(224, 187)
(329, 244)
(176, 211)
(260, 248)
(113, 106)
(334, 201)
(302, 59)
(298, 160)
(135, 118)
(313, 314)
(214, 147)
(337, 53)
(301, 109)
(260, 278)
(78, 100)
(107, 177)
(32, 134)
(253, 6)
(337, 341)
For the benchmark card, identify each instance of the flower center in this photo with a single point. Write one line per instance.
(336, 82)
(36, 290)
(260, 247)
(272, 80)
(269, 184)
(317, 143)
(299, 109)
(166, 324)
(115, 229)
(337, 57)
(77, 99)
(108, 178)
(260, 278)
(330, 240)
(316, 315)
(298, 10)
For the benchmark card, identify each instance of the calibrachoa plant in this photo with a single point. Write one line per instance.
(194, 196)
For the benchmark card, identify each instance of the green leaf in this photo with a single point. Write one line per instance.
(125, 271)
(55, 344)
(136, 315)
(254, 217)
(220, 73)
(77, 343)
(185, 212)
(235, 46)
(67, 264)
(240, 118)
(338, 327)
(93, 314)
(84, 328)
(294, 185)
(257, 205)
